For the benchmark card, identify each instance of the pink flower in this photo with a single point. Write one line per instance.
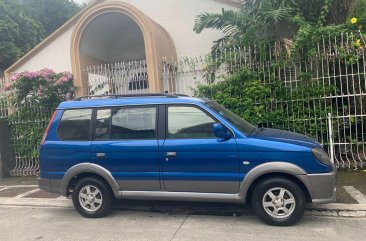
(14, 77)
(29, 75)
(61, 80)
(68, 75)
(45, 73)
(7, 86)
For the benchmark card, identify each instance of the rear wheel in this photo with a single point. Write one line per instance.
(279, 201)
(92, 198)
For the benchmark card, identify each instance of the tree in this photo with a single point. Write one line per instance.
(51, 13)
(25, 23)
(18, 34)
(271, 19)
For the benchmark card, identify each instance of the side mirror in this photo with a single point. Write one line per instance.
(221, 131)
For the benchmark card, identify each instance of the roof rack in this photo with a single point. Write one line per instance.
(113, 96)
(181, 95)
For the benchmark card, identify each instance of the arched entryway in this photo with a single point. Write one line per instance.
(124, 44)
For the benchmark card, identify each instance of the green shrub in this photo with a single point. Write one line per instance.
(34, 96)
(299, 109)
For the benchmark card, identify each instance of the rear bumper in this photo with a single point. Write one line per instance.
(50, 185)
(322, 187)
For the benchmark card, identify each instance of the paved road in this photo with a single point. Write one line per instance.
(38, 223)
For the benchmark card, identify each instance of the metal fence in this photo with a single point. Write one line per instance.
(3, 94)
(25, 149)
(337, 62)
(118, 78)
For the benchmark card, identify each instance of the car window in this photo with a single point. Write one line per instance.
(235, 120)
(102, 124)
(75, 125)
(189, 122)
(125, 123)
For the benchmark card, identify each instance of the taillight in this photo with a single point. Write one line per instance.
(48, 127)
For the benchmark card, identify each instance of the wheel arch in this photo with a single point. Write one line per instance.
(274, 169)
(81, 170)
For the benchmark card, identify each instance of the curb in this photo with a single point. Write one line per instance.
(330, 210)
(337, 210)
(338, 207)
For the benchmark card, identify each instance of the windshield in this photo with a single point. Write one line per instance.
(235, 120)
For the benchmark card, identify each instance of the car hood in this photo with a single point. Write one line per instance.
(285, 137)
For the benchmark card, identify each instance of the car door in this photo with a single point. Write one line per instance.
(194, 160)
(125, 143)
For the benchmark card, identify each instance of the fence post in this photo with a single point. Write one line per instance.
(331, 142)
(5, 151)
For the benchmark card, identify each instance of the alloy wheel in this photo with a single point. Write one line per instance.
(279, 202)
(90, 198)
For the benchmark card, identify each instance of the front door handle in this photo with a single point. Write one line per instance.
(171, 154)
(101, 155)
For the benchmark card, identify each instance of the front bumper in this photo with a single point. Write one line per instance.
(322, 187)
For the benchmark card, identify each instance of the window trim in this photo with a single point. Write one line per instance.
(195, 106)
(121, 107)
(95, 113)
(90, 128)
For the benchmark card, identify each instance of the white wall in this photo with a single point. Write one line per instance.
(175, 16)
(55, 56)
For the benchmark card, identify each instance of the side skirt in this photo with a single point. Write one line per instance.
(181, 196)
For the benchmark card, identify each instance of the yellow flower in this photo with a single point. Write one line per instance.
(354, 20)
(358, 43)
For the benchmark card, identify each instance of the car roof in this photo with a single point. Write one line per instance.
(122, 100)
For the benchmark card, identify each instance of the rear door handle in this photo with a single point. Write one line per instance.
(171, 154)
(101, 155)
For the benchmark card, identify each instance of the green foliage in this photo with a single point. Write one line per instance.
(232, 23)
(35, 96)
(273, 104)
(51, 13)
(44, 87)
(23, 24)
(18, 34)
(359, 10)
(242, 93)
(262, 21)
(310, 35)
(28, 125)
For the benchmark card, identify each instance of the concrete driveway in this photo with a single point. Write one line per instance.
(41, 223)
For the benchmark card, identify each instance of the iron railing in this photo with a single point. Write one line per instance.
(118, 78)
(337, 62)
(342, 132)
(24, 149)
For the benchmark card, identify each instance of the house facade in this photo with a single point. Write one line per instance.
(135, 34)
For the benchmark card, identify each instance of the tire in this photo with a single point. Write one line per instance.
(92, 198)
(278, 195)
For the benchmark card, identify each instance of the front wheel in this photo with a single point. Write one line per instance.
(278, 201)
(91, 198)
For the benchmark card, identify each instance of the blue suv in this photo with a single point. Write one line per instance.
(173, 147)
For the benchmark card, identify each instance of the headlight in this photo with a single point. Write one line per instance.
(321, 155)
